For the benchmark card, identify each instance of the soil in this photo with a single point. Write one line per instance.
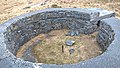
(51, 48)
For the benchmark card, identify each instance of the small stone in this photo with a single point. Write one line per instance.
(19, 31)
(77, 33)
(72, 33)
(34, 30)
(69, 42)
(37, 42)
(26, 7)
(71, 51)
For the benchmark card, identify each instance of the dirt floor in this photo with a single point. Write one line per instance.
(53, 50)
(13, 8)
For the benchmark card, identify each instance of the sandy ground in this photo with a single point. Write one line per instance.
(13, 8)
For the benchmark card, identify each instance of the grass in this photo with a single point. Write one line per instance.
(11, 8)
(55, 6)
(50, 51)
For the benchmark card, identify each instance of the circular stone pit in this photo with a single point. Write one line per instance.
(21, 29)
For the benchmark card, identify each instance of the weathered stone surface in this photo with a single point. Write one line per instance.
(105, 35)
(69, 42)
(102, 14)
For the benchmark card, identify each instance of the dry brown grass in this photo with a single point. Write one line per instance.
(50, 49)
(13, 8)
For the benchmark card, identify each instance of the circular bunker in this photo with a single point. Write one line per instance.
(17, 31)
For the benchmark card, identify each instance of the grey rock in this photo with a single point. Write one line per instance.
(69, 42)
(71, 51)
(73, 33)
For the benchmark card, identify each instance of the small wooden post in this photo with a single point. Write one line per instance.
(62, 49)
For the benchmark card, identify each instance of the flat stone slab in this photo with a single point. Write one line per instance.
(103, 13)
(69, 42)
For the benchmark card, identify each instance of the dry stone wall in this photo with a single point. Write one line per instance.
(21, 29)
(24, 29)
(81, 21)
(105, 35)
